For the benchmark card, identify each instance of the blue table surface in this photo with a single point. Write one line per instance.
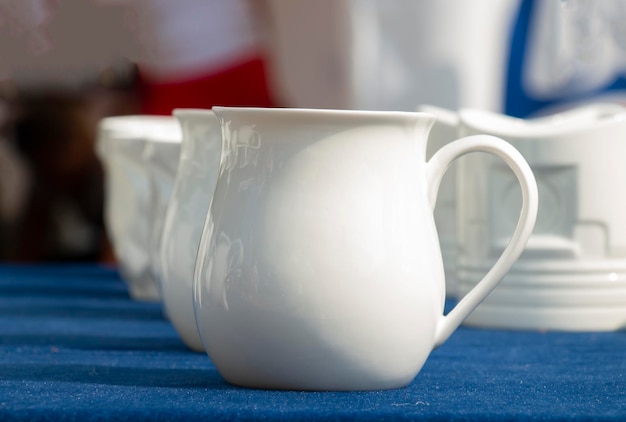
(74, 346)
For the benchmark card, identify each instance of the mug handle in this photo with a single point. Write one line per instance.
(435, 170)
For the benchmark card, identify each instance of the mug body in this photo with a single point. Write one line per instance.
(319, 266)
(161, 157)
(126, 186)
(121, 146)
(186, 212)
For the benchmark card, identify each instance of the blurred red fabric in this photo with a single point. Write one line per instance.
(244, 84)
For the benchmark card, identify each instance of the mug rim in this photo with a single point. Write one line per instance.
(149, 128)
(299, 113)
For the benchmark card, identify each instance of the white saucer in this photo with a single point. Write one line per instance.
(547, 280)
(516, 295)
(558, 272)
(558, 318)
(565, 295)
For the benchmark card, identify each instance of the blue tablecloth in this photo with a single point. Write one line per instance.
(73, 346)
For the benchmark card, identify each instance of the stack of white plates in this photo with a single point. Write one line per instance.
(552, 295)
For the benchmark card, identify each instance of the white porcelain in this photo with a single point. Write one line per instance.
(187, 210)
(552, 273)
(561, 296)
(161, 156)
(582, 317)
(442, 133)
(446, 129)
(125, 147)
(580, 235)
(319, 266)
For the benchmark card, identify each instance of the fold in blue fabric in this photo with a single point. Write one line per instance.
(74, 346)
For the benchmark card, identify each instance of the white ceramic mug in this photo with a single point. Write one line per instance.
(572, 275)
(125, 148)
(186, 212)
(319, 266)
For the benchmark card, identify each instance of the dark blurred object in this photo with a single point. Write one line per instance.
(67, 64)
(54, 130)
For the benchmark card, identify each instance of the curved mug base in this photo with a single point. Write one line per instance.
(256, 383)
